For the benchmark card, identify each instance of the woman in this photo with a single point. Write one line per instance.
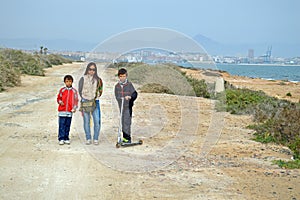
(90, 88)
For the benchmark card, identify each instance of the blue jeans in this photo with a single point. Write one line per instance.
(96, 121)
(64, 128)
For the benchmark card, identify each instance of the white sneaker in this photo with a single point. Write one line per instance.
(61, 142)
(67, 142)
(96, 142)
(88, 142)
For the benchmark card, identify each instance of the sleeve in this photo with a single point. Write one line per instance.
(134, 95)
(59, 96)
(117, 96)
(100, 88)
(80, 86)
(75, 106)
(116, 91)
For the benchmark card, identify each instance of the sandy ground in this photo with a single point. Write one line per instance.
(189, 151)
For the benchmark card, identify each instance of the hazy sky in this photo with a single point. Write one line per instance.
(225, 21)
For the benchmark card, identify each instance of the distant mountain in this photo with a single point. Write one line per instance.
(215, 48)
(208, 44)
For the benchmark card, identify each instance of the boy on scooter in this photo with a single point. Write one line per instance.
(124, 89)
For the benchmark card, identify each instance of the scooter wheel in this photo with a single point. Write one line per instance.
(118, 145)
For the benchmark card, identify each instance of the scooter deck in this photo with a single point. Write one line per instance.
(123, 144)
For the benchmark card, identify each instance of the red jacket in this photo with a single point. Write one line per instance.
(69, 97)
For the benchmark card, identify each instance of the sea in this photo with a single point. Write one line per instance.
(264, 71)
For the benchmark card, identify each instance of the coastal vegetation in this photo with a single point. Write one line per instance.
(14, 63)
(275, 120)
(199, 86)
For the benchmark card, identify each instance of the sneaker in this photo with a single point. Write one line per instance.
(88, 142)
(67, 142)
(96, 142)
(126, 140)
(61, 142)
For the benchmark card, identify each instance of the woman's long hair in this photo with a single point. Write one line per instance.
(95, 77)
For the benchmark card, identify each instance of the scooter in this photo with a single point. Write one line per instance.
(120, 142)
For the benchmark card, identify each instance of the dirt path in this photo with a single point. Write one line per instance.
(189, 151)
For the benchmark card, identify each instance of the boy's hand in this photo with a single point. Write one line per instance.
(61, 103)
(128, 98)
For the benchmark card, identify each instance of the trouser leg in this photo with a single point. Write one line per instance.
(126, 124)
(68, 121)
(61, 128)
(97, 120)
(86, 125)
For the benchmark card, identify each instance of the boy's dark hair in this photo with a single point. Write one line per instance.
(122, 71)
(68, 77)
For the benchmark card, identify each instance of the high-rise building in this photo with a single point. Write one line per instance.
(250, 53)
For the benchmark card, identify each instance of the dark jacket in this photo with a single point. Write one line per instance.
(122, 90)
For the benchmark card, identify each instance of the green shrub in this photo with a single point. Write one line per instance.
(241, 101)
(55, 59)
(155, 88)
(294, 164)
(13, 63)
(199, 86)
(276, 120)
(284, 127)
(32, 66)
(9, 76)
(23, 62)
(295, 147)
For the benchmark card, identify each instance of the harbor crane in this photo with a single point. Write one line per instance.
(267, 55)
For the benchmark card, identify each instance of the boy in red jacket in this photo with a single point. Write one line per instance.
(67, 99)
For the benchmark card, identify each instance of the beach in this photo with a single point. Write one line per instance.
(190, 151)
